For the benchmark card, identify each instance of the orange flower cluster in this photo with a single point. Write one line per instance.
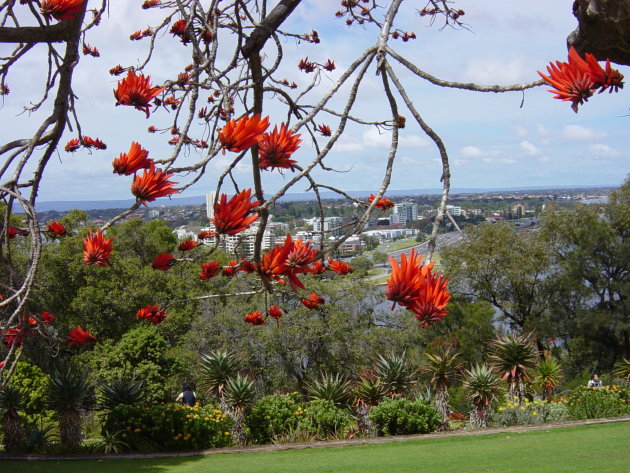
(576, 80)
(135, 90)
(234, 216)
(313, 302)
(383, 203)
(255, 318)
(56, 229)
(288, 260)
(96, 249)
(128, 163)
(412, 285)
(61, 10)
(240, 135)
(151, 184)
(276, 148)
(78, 336)
(153, 313)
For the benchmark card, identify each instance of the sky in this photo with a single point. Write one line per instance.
(492, 141)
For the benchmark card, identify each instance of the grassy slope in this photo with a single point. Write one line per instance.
(601, 448)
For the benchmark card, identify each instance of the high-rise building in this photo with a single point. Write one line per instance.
(406, 211)
(210, 197)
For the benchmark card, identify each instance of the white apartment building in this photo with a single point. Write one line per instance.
(405, 212)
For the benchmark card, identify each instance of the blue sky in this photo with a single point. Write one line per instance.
(491, 140)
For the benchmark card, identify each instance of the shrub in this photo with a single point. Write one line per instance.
(591, 403)
(402, 416)
(274, 417)
(32, 382)
(536, 412)
(323, 419)
(169, 427)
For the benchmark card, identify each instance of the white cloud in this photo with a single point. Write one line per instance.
(529, 148)
(348, 145)
(543, 131)
(577, 132)
(603, 151)
(378, 138)
(507, 161)
(544, 159)
(470, 151)
(493, 71)
(520, 131)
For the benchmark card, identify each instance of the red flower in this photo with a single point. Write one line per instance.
(432, 299)
(13, 336)
(318, 267)
(339, 267)
(329, 65)
(56, 229)
(416, 288)
(47, 317)
(61, 10)
(313, 301)
(275, 149)
(383, 203)
(136, 90)
(601, 77)
(205, 234)
(150, 4)
(78, 336)
(163, 262)
(179, 29)
(209, 270)
(275, 263)
(230, 270)
(297, 261)
(72, 145)
(324, 130)
(116, 70)
(151, 184)
(275, 313)
(187, 245)
(570, 84)
(233, 216)
(90, 50)
(247, 266)
(93, 143)
(242, 134)
(306, 65)
(128, 163)
(96, 249)
(255, 318)
(152, 313)
(136, 35)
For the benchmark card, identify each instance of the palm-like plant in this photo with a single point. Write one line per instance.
(10, 403)
(120, 392)
(442, 367)
(335, 388)
(622, 369)
(548, 375)
(514, 357)
(484, 387)
(67, 392)
(367, 393)
(239, 395)
(396, 373)
(216, 369)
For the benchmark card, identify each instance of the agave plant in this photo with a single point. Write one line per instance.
(484, 387)
(622, 369)
(548, 375)
(120, 392)
(442, 367)
(239, 395)
(67, 392)
(514, 357)
(217, 368)
(367, 393)
(335, 388)
(396, 374)
(10, 403)
(111, 443)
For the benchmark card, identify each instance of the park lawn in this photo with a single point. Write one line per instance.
(401, 244)
(593, 448)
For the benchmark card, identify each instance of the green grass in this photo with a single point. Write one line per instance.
(601, 448)
(399, 245)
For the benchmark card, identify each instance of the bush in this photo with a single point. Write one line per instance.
(273, 417)
(168, 427)
(401, 416)
(536, 412)
(32, 382)
(323, 419)
(591, 403)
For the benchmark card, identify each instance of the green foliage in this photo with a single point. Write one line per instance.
(514, 357)
(361, 264)
(170, 427)
(622, 368)
(536, 412)
(273, 417)
(240, 392)
(32, 382)
(119, 392)
(379, 257)
(323, 419)
(141, 354)
(401, 416)
(68, 390)
(548, 375)
(369, 391)
(336, 389)
(593, 403)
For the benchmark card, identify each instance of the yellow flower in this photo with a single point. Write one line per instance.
(522, 408)
(137, 430)
(501, 409)
(226, 433)
(534, 413)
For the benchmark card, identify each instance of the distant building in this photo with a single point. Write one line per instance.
(405, 212)
(153, 213)
(210, 198)
(330, 223)
(454, 210)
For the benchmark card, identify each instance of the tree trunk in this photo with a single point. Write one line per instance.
(70, 429)
(13, 434)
